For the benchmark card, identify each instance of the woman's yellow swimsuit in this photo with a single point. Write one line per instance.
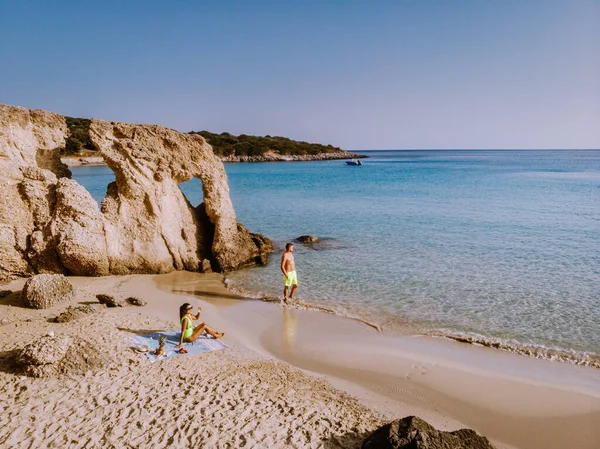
(190, 328)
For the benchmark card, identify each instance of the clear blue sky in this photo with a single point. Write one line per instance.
(358, 74)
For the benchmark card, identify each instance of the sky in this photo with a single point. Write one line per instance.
(404, 74)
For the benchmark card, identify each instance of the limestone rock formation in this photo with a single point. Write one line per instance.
(50, 224)
(45, 290)
(412, 432)
(78, 227)
(150, 224)
(29, 167)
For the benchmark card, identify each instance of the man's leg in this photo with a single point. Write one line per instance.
(285, 289)
(294, 287)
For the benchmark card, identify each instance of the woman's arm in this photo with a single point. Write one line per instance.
(197, 317)
(182, 331)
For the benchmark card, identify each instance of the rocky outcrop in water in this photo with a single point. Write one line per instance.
(50, 224)
(308, 239)
(412, 432)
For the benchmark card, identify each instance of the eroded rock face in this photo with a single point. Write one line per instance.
(50, 224)
(150, 225)
(46, 290)
(29, 169)
(412, 432)
(78, 228)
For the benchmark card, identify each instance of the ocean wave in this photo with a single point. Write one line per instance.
(532, 350)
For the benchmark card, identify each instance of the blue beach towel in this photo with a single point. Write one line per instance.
(204, 343)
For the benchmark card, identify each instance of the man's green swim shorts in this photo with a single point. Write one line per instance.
(290, 279)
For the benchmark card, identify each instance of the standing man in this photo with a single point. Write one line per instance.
(288, 268)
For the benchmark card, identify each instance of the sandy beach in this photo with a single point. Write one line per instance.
(427, 278)
(288, 378)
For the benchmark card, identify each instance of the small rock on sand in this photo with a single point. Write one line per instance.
(47, 350)
(5, 293)
(135, 301)
(108, 301)
(45, 290)
(73, 313)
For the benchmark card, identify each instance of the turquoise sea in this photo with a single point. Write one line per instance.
(499, 247)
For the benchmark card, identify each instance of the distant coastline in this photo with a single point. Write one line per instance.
(75, 160)
(80, 150)
(276, 157)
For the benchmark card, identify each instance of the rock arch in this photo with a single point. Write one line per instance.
(50, 223)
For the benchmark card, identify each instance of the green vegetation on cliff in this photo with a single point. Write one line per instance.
(225, 144)
(79, 135)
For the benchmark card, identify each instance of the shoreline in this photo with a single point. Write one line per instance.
(76, 161)
(511, 346)
(325, 366)
(504, 396)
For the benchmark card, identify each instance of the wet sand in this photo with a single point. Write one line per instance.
(512, 399)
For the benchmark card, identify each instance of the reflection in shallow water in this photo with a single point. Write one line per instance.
(289, 329)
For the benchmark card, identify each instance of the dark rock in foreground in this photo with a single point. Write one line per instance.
(412, 432)
(45, 290)
(308, 239)
(5, 293)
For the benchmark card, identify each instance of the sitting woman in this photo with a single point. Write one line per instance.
(189, 333)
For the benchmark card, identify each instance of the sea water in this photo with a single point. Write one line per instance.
(500, 248)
